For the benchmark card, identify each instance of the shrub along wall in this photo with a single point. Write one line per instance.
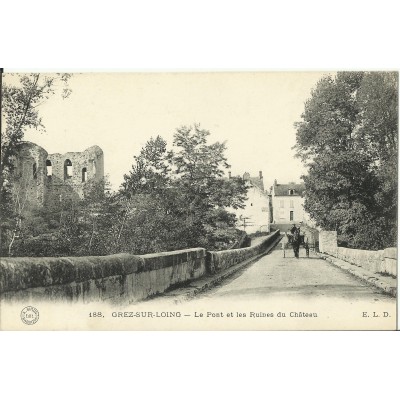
(115, 278)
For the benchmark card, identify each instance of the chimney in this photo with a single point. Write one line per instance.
(260, 174)
(230, 174)
(275, 182)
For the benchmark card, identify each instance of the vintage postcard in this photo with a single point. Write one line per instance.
(199, 201)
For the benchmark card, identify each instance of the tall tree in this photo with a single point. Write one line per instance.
(22, 95)
(199, 167)
(150, 170)
(177, 199)
(346, 138)
(378, 130)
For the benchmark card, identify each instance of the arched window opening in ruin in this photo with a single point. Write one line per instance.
(94, 168)
(34, 168)
(84, 174)
(291, 192)
(67, 169)
(49, 169)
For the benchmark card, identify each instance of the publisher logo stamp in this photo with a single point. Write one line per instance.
(29, 315)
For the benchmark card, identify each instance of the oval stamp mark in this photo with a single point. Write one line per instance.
(29, 315)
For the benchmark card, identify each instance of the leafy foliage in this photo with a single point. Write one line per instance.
(180, 195)
(169, 200)
(348, 140)
(20, 111)
(20, 102)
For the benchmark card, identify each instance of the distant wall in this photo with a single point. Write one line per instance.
(383, 261)
(220, 260)
(114, 278)
(327, 241)
(282, 227)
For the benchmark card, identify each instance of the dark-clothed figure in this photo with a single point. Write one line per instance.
(296, 240)
(306, 242)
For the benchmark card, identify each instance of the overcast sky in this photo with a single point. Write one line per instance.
(253, 112)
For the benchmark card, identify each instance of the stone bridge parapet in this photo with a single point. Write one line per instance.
(381, 261)
(115, 278)
(220, 260)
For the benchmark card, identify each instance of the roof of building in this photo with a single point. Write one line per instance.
(283, 189)
(255, 180)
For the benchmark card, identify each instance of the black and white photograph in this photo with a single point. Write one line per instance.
(241, 200)
(199, 199)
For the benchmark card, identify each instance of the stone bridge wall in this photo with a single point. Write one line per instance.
(327, 241)
(220, 260)
(115, 278)
(383, 261)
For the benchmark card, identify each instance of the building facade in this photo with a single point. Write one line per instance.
(255, 215)
(287, 203)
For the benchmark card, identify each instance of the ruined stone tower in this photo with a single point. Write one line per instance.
(41, 179)
(29, 178)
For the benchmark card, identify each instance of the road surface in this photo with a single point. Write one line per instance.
(275, 276)
(308, 288)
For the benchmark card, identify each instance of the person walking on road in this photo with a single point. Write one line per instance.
(307, 241)
(296, 240)
(285, 241)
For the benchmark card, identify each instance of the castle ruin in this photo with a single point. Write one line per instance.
(42, 179)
